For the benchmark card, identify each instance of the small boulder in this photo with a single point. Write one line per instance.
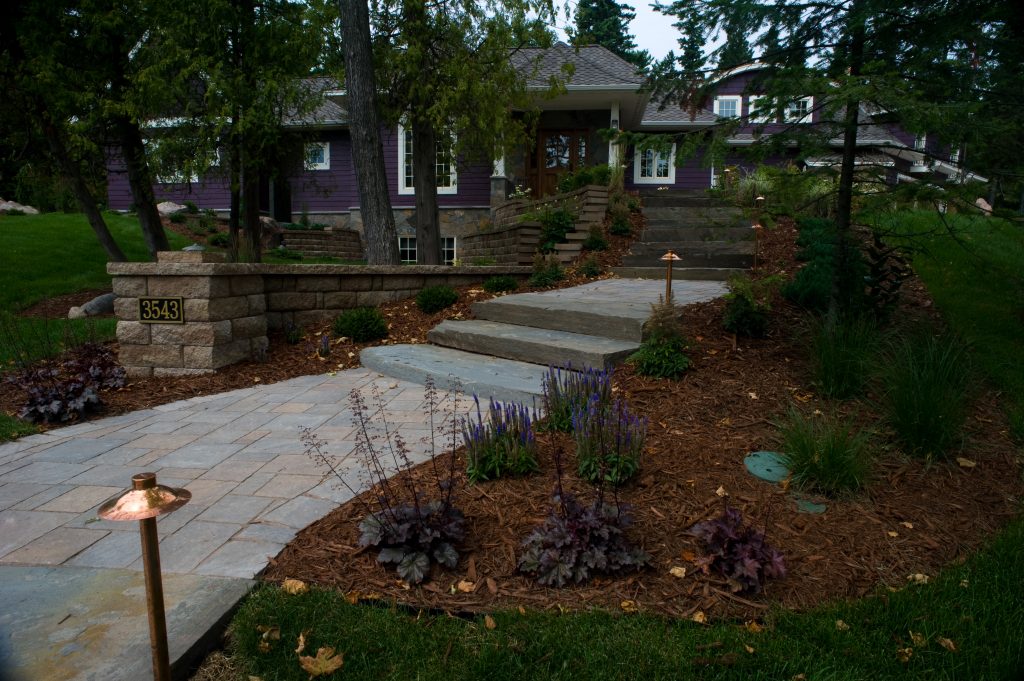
(103, 304)
(7, 206)
(984, 206)
(166, 208)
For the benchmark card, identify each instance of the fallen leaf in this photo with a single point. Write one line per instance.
(799, 677)
(748, 649)
(332, 374)
(302, 643)
(893, 534)
(325, 662)
(351, 354)
(904, 654)
(947, 644)
(753, 627)
(965, 463)
(489, 622)
(628, 606)
(678, 571)
(918, 578)
(725, 422)
(699, 617)
(909, 526)
(522, 610)
(492, 586)
(267, 634)
(842, 626)
(721, 491)
(256, 379)
(752, 395)
(964, 584)
(294, 586)
(917, 639)
(466, 586)
(352, 597)
(255, 678)
(689, 556)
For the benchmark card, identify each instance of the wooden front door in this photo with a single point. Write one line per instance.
(555, 153)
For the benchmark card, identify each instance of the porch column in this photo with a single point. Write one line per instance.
(613, 148)
(499, 185)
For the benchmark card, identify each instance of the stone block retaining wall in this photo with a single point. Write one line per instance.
(229, 307)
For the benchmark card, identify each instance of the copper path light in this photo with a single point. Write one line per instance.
(144, 502)
(670, 257)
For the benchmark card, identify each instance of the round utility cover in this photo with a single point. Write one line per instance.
(768, 466)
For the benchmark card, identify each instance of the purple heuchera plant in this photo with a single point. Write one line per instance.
(739, 553)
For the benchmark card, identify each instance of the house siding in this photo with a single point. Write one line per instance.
(213, 191)
(473, 182)
(327, 191)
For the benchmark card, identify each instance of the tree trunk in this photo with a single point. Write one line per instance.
(73, 173)
(844, 283)
(424, 173)
(251, 214)
(141, 182)
(235, 211)
(364, 126)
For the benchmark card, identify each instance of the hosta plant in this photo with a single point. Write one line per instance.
(738, 553)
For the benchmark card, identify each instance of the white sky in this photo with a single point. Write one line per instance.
(653, 31)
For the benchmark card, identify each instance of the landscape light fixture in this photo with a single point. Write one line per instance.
(670, 257)
(144, 502)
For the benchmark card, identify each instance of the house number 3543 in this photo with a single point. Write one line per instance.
(161, 311)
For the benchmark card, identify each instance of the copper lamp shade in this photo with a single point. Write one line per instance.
(145, 499)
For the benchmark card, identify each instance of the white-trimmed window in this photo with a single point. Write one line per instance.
(407, 249)
(318, 156)
(799, 111)
(654, 167)
(714, 177)
(759, 109)
(729, 106)
(920, 142)
(954, 155)
(447, 176)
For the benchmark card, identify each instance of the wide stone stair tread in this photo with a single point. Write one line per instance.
(531, 344)
(698, 233)
(680, 273)
(503, 379)
(692, 247)
(610, 318)
(709, 212)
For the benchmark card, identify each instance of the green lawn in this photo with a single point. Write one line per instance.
(976, 606)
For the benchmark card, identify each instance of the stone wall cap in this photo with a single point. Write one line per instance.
(191, 257)
(234, 269)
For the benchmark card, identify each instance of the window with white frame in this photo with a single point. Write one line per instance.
(759, 109)
(318, 156)
(714, 177)
(954, 155)
(651, 166)
(447, 176)
(920, 142)
(799, 111)
(729, 106)
(407, 249)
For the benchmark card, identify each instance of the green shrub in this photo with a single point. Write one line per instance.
(1016, 418)
(662, 354)
(633, 203)
(841, 353)
(177, 218)
(502, 445)
(824, 453)
(219, 240)
(595, 241)
(191, 207)
(436, 298)
(361, 324)
(546, 272)
(483, 261)
(196, 228)
(925, 378)
(748, 304)
(500, 284)
(282, 252)
(620, 226)
(590, 268)
(555, 223)
(207, 224)
(599, 174)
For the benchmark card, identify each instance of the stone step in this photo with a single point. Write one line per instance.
(658, 233)
(684, 248)
(678, 273)
(503, 379)
(719, 260)
(679, 201)
(618, 319)
(530, 344)
(706, 213)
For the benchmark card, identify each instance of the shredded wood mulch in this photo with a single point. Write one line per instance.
(911, 519)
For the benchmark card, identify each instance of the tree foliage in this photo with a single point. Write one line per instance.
(606, 23)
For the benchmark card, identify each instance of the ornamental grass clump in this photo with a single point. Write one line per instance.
(577, 541)
(841, 351)
(565, 391)
(609, 441)
(412, 520)
(740, 554)
(926, 378)
(825, 454)
(503, 444)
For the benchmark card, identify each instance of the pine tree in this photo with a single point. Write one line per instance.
(606, 23)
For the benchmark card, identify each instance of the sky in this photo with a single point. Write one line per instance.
(653, 31)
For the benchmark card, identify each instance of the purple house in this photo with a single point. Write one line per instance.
(603, 92)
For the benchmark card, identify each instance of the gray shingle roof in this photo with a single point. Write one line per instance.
(327, 111)
(671, 114)
(594, 65)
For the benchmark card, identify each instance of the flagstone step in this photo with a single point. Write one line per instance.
(617, 319)
(481, 375)
(531, 344)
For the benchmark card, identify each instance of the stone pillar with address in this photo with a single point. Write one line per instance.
(188, 313)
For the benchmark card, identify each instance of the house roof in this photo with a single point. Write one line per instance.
(593, 67)
(673, 116)
(328, 111)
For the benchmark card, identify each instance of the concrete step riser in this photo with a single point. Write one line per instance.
(684, 247)
(716, 261)
(660, 234)
(529, 344)
(574, 321)
(703, 213)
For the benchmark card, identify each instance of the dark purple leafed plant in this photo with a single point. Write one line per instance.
(66, 389)
(609, 441)
(738, 553)
(414, 526)
(503, 444)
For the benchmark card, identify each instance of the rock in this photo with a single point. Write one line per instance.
(6, 206)
(169, 208)
(271, 232)
(984, 206)
(103, 304)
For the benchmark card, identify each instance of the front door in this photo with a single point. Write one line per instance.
(555, 153)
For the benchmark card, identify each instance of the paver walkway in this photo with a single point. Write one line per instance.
(252, 489)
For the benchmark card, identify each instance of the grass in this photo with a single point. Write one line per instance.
(976, 275)
(825, 453)
(12, 428)
(840, 352)
(978, 614)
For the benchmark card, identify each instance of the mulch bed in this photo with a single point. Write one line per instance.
(910, 519)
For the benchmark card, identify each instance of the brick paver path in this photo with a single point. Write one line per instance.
(238, 453)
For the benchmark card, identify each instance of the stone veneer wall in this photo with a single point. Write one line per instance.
(229, 307)
(513, 245)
